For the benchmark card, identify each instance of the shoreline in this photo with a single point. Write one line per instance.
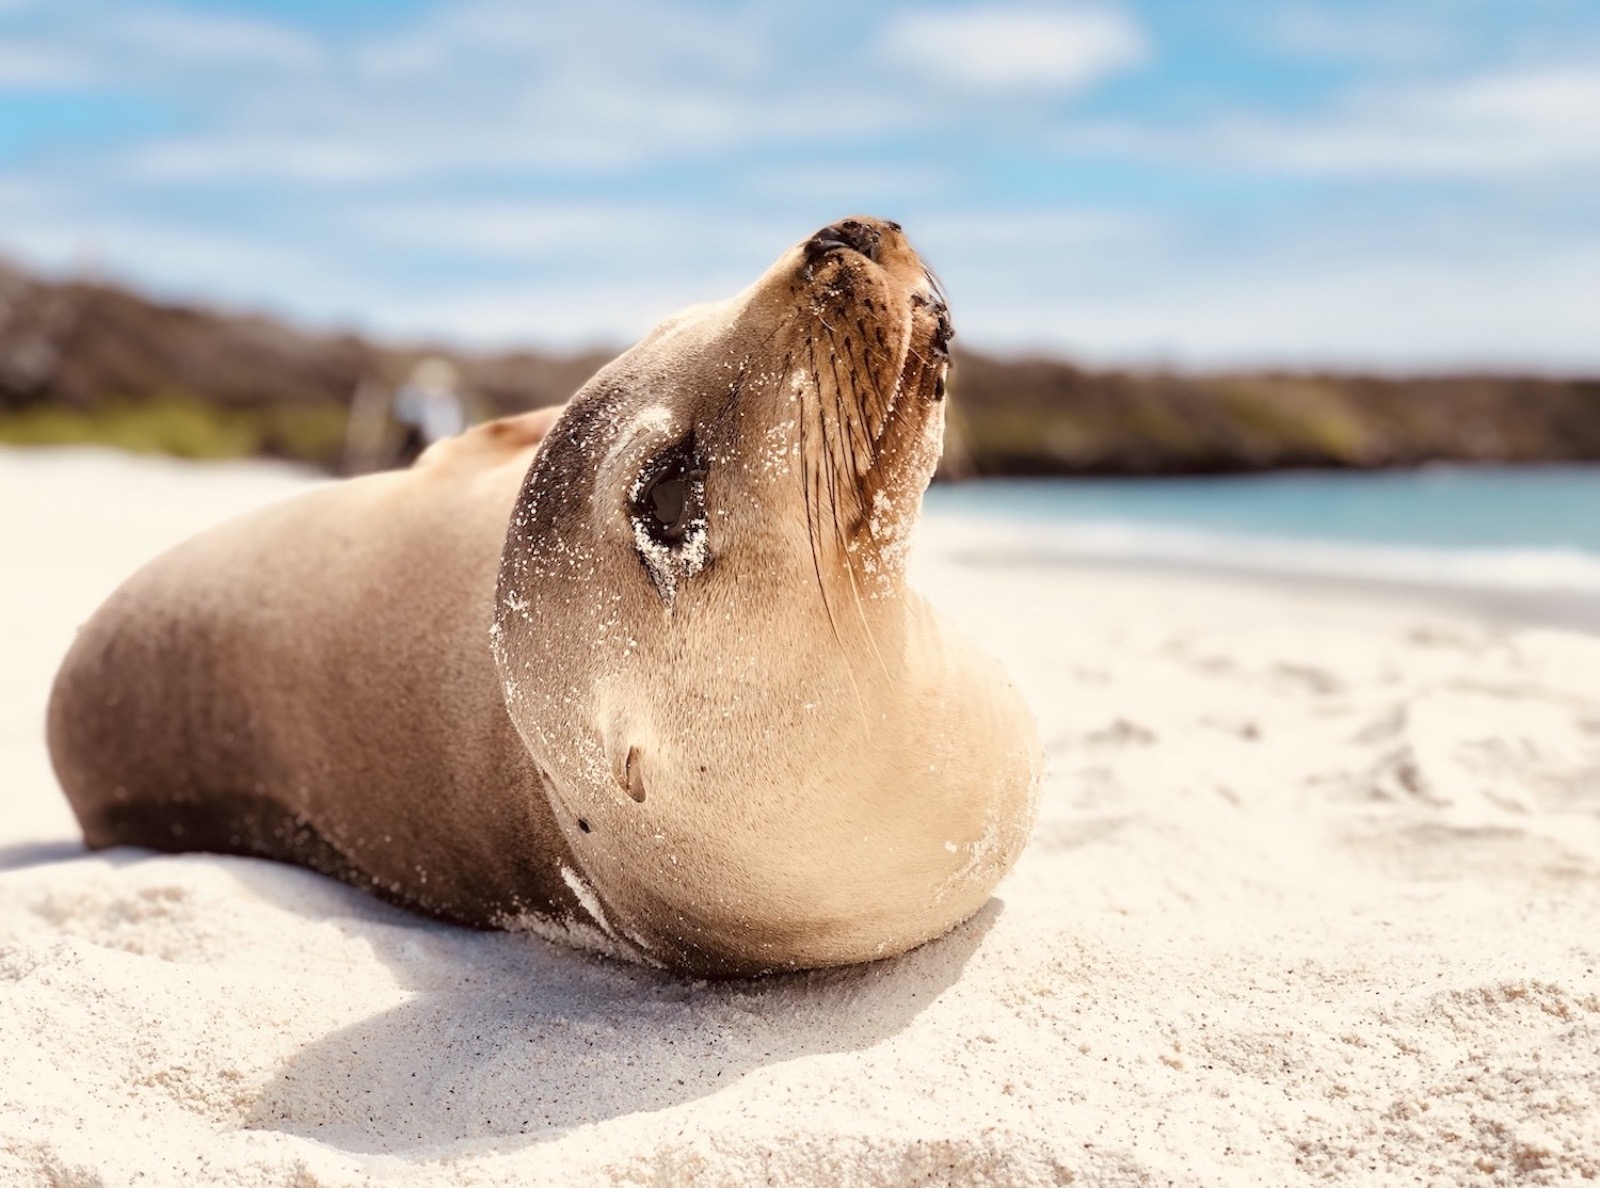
(1534, 586)
(1564, 609)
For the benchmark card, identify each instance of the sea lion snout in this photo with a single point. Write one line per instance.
(884, 243)
(944, 330)
(857, 235)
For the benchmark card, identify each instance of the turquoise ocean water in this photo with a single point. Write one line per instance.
(1555, 508)
(1530, 531)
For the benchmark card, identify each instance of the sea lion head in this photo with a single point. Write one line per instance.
(763, 749)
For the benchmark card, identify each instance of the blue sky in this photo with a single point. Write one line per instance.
(1413, 184)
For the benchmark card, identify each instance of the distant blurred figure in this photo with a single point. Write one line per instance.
(391, 429)
(427, 408)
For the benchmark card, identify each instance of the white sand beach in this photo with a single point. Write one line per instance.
(1314, 898)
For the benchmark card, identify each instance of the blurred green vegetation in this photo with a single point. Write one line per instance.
(85, 363)
(185, 426)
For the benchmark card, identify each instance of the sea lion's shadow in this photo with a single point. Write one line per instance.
(511, 1040)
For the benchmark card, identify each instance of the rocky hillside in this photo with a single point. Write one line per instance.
(91, 362)
(1047, 417)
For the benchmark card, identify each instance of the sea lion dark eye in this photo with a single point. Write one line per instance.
(669, 499)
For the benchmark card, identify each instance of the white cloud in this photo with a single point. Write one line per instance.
(581, 126)
(164, 47)
(1530, 119)
(33, 67)
(191, 38)
(1382, 309)
(1508, 124)
(1382, 35)
(69, 233)
(262, 157)
(479, 89)
(495, 88)
(1001, 48)
(560, 314)
(1039, 234)
(615, 236)
(843, 186)
(618, 38)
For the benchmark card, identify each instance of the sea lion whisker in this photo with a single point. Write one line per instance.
(812, 492)
(846, 422)
(847, 560)
(812, 525)
(855, 432)
(807, 500)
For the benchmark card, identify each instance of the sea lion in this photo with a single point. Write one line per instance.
(646, 673)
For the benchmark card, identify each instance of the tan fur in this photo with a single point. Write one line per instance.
(498, 699)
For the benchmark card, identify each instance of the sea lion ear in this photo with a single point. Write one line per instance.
(633, 775)
(620, 739)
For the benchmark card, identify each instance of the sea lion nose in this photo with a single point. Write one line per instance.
(847, 233)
